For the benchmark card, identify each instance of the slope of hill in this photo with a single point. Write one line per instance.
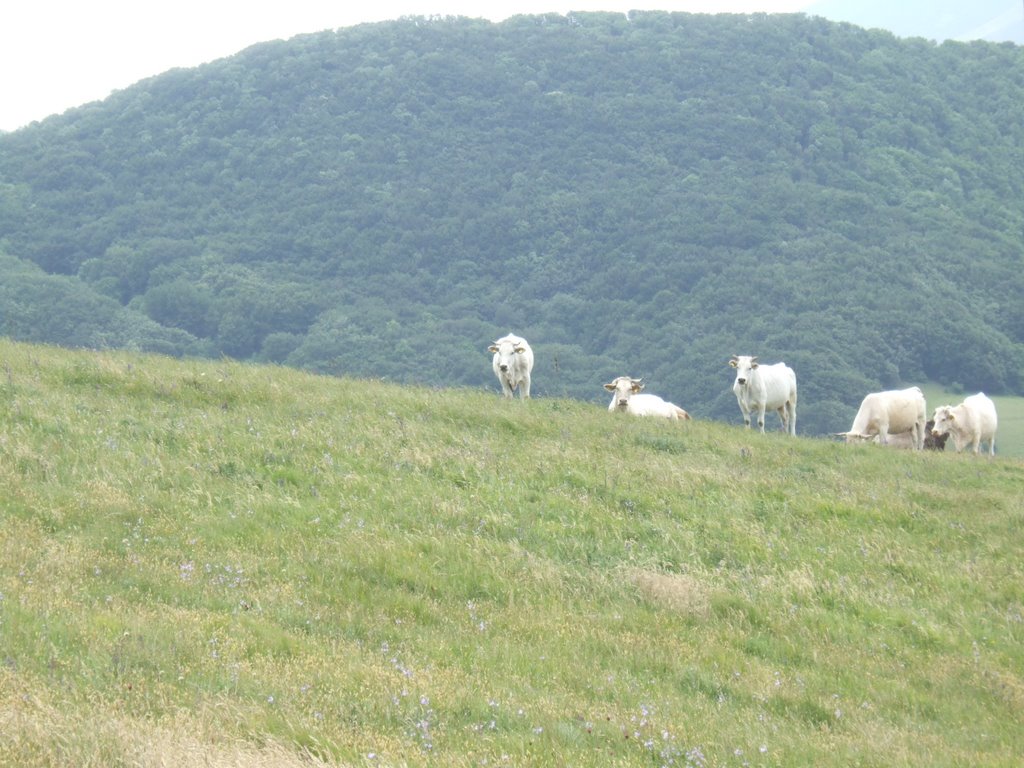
(211, 563)
(642, 196)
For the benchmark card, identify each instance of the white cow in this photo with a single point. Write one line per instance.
(971, 423)
(627, 399)
(892, 412)
(512, 364)
(762, 387)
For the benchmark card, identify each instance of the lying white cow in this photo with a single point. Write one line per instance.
(759, 388)
(512, 364)
(932, 442)
(627, 399)
(892, 412)
(971, 423)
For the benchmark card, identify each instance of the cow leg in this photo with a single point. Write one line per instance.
(746, 415)
(524, 388)
(760, 419)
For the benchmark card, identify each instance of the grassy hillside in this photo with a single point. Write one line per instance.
(222, 564)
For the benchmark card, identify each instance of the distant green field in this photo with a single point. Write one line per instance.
(1009, 437)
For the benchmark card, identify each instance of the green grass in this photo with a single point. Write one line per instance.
(1010, 433)
(208, 563)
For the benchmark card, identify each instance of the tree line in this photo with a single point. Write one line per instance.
(640, 195)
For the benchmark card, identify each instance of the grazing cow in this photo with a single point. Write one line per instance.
(762, 387)
(971, 423)
(627, 399)
(893, 412)
(512, 364)
(906, 439)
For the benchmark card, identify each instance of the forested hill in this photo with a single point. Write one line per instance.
(645, 195)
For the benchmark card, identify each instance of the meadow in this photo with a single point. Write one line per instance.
(218, 564)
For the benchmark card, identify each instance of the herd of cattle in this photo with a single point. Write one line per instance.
(896, 417)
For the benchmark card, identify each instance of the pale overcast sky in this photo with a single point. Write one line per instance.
(58, 55)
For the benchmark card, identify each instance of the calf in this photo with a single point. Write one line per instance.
(906, 439)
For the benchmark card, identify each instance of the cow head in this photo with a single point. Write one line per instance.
(624, 387)
(506, 351)
(743, 364)
(854, 437)
(943, 420)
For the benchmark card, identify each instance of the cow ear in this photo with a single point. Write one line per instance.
(753, 362)
(733, 362)
(492, 348)
(638, 386)
(520, 350)
(610, 387)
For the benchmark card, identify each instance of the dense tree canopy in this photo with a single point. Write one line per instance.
(642, 195)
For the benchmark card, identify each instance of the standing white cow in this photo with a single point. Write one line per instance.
(512, 364)
(971, 423)
(892, 412)
(762, 387)
(627, 399)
